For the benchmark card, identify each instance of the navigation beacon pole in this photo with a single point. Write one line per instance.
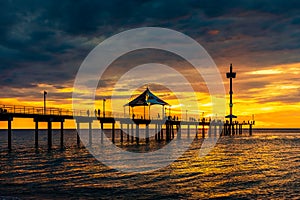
(230, 75)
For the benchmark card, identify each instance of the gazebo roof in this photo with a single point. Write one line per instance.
(145, 99)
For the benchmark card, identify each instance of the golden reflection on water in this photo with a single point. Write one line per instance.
(238, 167)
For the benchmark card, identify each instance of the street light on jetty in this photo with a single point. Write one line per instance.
(45, 93)
(186, 111)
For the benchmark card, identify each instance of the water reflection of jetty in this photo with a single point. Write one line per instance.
(166, 128)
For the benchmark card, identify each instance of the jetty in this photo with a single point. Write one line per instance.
(166, 128)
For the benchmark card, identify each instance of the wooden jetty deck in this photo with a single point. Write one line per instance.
(164, 129)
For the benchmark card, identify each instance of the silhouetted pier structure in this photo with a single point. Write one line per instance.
(164, 129)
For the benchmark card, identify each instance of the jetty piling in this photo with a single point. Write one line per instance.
(9, 134)
(128, 132)
(90, 134)
(137, 132)
(77, 134)
(61, 134)
(36, 134)
(49, 134)
(102, 132)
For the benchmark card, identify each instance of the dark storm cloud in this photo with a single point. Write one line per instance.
(46, 41)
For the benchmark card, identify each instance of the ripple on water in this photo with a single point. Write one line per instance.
(258, 167)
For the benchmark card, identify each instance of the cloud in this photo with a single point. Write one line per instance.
(266, 72)
(45, 42)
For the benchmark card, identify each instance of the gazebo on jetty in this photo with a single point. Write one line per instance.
(146, 99)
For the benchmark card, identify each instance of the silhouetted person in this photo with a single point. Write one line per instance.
(88, 113)
(95, 113)
(99, 112)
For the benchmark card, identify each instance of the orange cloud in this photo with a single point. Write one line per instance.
(213, 32)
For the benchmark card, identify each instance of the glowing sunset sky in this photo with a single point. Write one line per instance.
(43, 43)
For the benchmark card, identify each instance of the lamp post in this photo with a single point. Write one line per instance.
(186, 115)
(45, 93)
(104, 108)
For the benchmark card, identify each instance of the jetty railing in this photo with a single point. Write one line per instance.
(38, 110)
(33, 110)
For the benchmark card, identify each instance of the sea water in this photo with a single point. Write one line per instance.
(263, 166)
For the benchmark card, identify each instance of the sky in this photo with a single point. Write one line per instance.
(43, 44)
